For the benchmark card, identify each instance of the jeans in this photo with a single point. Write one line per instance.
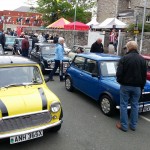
(129, 94)
(57, 64)
(25, 53)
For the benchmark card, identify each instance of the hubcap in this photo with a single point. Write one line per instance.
(105, 105)
(68, 84)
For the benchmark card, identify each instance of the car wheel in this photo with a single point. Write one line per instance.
(56, 128)
(68, 84)
(107, 106)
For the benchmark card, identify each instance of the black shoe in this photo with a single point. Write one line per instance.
(118, 125)
(47, 79)
(133, 129)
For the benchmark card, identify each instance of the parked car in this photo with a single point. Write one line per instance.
(9, 42)
(147, 58)
(17, 45)
(95, 75)
(74, 50)
(27, 106)
(44, 54)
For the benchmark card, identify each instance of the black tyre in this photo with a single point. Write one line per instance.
(56, 128)
(68, 84)
(107, 106)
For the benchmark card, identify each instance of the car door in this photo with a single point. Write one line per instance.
(91, 79)
(33, 53)
(77, 73)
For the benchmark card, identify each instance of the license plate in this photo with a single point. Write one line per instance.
(26, 137)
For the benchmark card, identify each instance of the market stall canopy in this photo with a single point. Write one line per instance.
(59, 24)
(92, 22)
(110, 23)
(76, 26)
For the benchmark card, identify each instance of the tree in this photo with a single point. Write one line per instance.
(52, 10)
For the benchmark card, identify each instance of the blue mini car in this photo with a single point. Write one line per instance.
(95, 75)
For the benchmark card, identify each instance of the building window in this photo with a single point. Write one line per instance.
(148, 19)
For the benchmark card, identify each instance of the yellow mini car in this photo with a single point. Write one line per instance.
(27, 106)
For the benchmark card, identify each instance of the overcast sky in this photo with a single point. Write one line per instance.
(13, 4)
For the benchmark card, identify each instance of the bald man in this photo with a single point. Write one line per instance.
(97, 47)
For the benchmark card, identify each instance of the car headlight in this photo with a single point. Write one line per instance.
(55, 107)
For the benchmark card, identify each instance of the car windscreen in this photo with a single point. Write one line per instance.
(48, 50)
(10, 39)
(20, 76)
(108, 68)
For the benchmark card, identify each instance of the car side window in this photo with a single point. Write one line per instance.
(79, 62)
(91, 66)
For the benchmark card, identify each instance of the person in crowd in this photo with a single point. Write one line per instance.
(97, 47)
(34, 40)
(22, 35)
(79, 50)
(41, 38)
(15, 33)
(2, 39)
(25, 47)
(113, 39)
(59, 54)
(51, 37)
(56, 37)
(131, 74)
(47, 37)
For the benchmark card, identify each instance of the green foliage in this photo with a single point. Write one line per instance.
(52, 10)
(131, 28)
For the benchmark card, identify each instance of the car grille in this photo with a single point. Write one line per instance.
(26, 121)
(145, 97)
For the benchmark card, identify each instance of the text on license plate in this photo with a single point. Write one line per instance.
(25, 137)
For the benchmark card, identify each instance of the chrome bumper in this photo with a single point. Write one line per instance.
(2, 136)
(140, 106)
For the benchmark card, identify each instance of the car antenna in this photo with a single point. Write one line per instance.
(10, 60)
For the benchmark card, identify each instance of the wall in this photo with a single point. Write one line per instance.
(106, 9)
(81, 38)
(109, 8)
(71, 37)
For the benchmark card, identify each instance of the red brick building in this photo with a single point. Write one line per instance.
(11, 20)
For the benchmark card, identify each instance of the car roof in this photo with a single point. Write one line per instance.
(146, 57)
(99, 56)
(85, 46)
(44, 44)
(8, 36)
(7, 60)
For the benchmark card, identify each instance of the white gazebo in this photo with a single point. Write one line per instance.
(110, 23)
(92, 22)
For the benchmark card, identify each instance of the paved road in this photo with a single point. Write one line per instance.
(86, 128)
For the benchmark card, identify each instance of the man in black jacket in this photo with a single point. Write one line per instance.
(97, 47)
(131, 74)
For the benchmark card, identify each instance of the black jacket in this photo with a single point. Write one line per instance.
(132, 70)
(97, 48)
